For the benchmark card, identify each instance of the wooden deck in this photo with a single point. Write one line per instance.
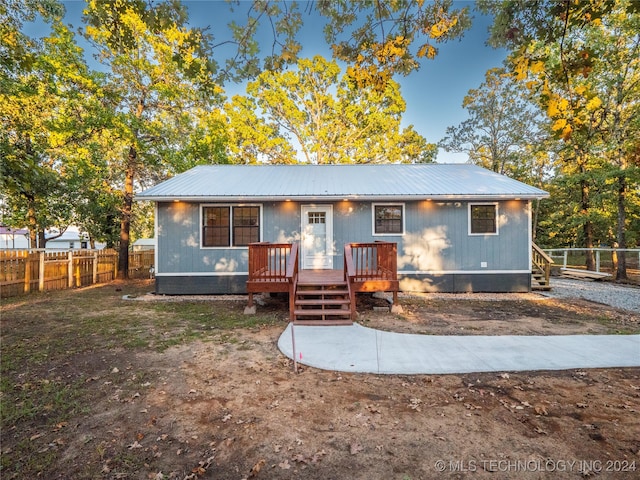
(322, 297)
(319, 277)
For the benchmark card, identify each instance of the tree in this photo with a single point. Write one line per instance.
(377, 39)
(46, 114)
(328, 118)
(503, 129)
(581, 60)
(161, 78)
(505, 132)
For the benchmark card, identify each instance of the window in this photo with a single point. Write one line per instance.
(224, 226)
(317, 217)
(388, 219)
(246, 225)
(483, 219)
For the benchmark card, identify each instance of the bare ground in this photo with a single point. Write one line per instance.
(225, 404)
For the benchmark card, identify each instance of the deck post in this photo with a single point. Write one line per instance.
(250, 309)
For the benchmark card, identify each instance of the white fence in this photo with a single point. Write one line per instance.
(604, 257)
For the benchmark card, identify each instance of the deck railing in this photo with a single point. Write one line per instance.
(268, 261)
(273, 267)
(349, 276)
(377, 260)
(368, 267)
(371, 267)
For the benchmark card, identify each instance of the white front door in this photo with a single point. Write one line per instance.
(317, 237)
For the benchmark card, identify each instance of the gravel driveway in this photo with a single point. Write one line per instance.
(625, 297)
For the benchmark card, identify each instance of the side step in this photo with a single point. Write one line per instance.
(538, 282)
(322, 304)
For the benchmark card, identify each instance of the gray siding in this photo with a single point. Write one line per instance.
(434, 253)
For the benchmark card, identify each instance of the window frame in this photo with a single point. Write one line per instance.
(232, 227)
(496, 216)
(402, 220)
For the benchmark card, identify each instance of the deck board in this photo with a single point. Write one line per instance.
(320, 277)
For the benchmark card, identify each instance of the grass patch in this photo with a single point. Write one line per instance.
(59, 350)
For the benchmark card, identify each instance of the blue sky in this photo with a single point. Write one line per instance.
(433, 94)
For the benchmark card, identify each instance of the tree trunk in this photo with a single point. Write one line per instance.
(33, 223)
(587, 227)
(125, 222)
(621, 271)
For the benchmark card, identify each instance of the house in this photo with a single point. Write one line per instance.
(71, 239)
(14, 238)
(143, 244)
(455, 227)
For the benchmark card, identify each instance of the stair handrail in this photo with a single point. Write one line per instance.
(542, 253)
(349, 276)
(292, 277)
(541, 261)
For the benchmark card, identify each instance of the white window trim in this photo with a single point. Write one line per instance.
(497, 216)
(230, 205)
(373, 219)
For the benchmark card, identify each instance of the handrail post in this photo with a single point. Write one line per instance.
(349, 273)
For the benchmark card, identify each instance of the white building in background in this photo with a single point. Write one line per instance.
(71, 239)
(144, 244)
(14, 238)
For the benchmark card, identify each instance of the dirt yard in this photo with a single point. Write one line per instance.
(94, 386)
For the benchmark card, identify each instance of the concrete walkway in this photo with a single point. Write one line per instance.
(360, 349)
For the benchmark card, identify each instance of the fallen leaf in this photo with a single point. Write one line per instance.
(414, 404)
(60, 426)
(541, 410)
(581, 405)
(373, 409)
(277, 447)
(355, 448)
(540, 431)
(257, 467)
(300, 458)
(35, 437)
(284, 465)
(134, 445)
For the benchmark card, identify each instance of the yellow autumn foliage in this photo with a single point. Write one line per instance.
(593, 104)
(557, 106)
(441, 27)
(559, 124)
(428, 51)
(536, 67)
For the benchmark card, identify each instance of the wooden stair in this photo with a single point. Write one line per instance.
(322, 302)
(540, 269)
(539, 281)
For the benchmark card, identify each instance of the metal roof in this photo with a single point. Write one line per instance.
(338, 182)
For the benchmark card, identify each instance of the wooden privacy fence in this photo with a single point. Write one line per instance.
(25, 271)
